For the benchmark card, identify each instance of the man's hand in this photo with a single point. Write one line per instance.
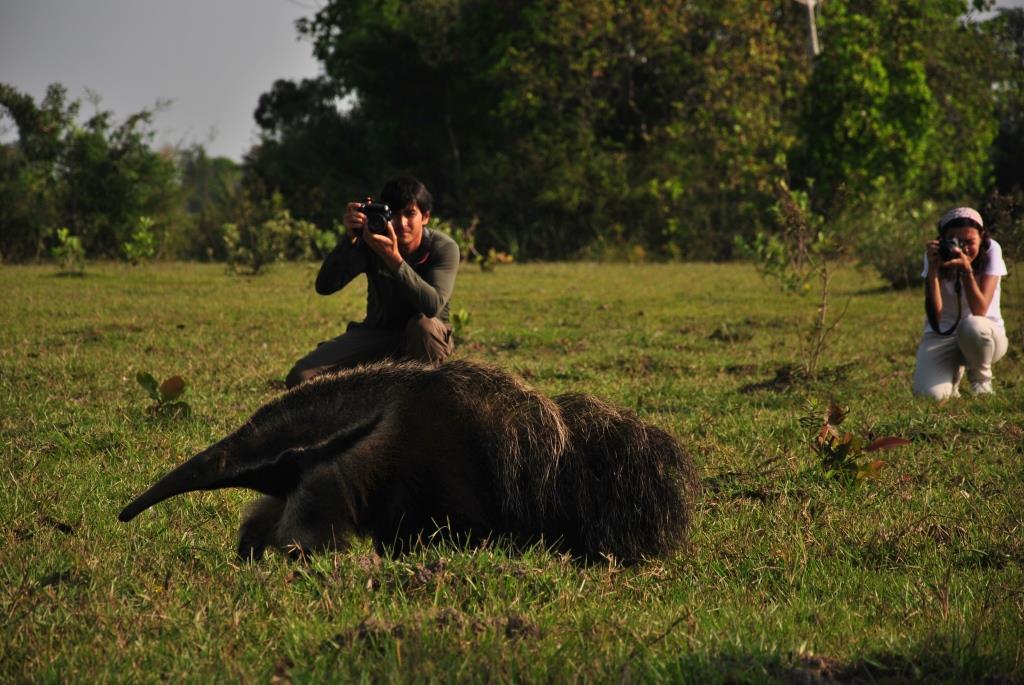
(354, 220)
(385, 246)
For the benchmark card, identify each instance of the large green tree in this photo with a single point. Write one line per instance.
(29, 188)
(212, 190)
(1007, 30)
(901, 96)
(97, 177)
(556, 124)
(406, 88)
(562, 127)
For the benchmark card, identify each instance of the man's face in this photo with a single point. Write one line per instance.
(408, 224)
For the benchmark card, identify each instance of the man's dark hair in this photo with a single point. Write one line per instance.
(399, 192)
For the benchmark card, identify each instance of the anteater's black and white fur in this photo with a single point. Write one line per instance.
(397, 450)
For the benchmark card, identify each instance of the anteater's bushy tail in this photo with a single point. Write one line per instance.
(626, 487)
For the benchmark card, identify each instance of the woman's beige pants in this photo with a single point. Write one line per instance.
(977, 343)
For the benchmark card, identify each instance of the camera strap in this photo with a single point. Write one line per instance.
(933, 317)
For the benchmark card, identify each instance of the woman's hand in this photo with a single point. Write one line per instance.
(932, 250)
(960, 259)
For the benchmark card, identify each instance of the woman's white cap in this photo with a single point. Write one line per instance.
(960, 213)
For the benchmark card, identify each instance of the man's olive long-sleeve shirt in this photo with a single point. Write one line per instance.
(423, 283)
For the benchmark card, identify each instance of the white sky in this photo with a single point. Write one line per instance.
(211, 58)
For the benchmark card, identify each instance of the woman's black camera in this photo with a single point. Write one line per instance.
(378, 215)
(948, 247)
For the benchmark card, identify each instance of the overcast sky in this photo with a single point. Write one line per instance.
(211, 58)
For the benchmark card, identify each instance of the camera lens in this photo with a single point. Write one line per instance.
(377, 224)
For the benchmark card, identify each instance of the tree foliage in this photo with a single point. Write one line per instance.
(901, 95)
(96, 177)
(1007, 31)
(562, 128)
(558, 126)
(213, 195)
(553, 129)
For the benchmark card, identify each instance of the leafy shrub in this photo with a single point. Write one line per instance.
(466, 240)
(493, 258)
(463, 237)
(325, 241)
(797, 250)
(251, 247)
(69, 253)
(141, 247)
(845, 456)
(801, 248)
(889, 234)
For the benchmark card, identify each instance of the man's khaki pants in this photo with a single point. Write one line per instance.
(424, 339)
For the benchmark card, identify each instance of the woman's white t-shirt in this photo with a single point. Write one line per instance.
(995, 267)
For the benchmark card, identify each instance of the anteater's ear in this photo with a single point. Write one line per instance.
(237, 463)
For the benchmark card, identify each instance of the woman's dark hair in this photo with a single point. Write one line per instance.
(399, 192)
(981, 261)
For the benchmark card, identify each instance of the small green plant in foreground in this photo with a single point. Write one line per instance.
(846, 456)
(460, 320)
(164, 395)
(69, 253)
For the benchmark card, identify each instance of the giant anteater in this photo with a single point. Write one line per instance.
(395, 450)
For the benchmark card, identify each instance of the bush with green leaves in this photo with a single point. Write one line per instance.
(464, 237)
(69, 253)
(94, 174)
(251, 247)
(325, 241)
(795, 251)
(845, 456)
(141, 247)
(888, 232)
(802, 248)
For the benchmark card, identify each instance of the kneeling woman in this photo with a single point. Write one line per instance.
(961, 300)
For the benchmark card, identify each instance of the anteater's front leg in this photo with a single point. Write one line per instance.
(258, 529)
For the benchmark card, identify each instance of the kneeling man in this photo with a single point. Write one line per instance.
(410, 272)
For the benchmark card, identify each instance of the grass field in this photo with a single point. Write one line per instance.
(789, 576)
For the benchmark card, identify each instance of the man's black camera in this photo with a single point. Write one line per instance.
(378, 215)
(948, 247)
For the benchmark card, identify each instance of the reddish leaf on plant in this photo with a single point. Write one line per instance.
(172, 388)
(835, 414)
(886, 443)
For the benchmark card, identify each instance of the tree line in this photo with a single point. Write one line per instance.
(557, 129)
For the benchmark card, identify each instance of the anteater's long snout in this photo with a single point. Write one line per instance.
(198, 473)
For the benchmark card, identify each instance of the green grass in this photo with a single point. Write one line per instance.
(789, 576)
